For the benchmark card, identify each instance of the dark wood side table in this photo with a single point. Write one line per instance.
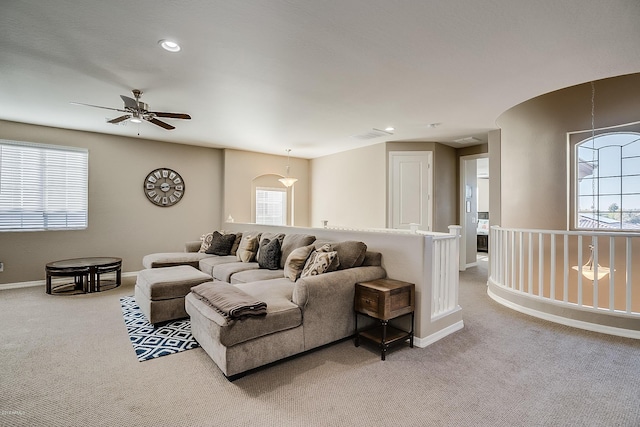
(86, 273)
(384, 300)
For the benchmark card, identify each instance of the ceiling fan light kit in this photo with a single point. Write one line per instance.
(137, 111)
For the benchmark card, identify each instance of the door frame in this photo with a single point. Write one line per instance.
(462, 209)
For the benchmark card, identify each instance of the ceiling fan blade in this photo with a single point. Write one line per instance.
(98, 106)
(162, 124)
(129, 102)
(171, 115)
(119, 119)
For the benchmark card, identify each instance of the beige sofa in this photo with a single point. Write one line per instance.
(301, 315)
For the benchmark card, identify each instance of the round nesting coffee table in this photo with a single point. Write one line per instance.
(86, 273)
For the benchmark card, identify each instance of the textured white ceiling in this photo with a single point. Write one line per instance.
(307, 75)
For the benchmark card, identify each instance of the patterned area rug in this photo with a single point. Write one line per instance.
(149, 342)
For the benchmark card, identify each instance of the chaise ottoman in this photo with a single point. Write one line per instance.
(160, 292)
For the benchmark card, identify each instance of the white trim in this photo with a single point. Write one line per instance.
(428, 340)
(441, 315)
(594, 327)
(18, 285)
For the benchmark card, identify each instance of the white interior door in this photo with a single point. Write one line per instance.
(410, 189)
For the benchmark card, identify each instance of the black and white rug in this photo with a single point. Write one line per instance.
(149, 342)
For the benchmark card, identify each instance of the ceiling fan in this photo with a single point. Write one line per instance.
(137, 111)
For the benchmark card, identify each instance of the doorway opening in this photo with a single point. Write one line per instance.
(474, 210)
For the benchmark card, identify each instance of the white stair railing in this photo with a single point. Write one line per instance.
(550, 265)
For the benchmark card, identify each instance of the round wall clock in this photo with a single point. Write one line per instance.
(164, 187)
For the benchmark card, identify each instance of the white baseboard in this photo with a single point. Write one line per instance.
(428, 340)
(54, 282)
(580, 324)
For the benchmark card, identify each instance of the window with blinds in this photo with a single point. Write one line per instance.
(42, 187)
(271, 206)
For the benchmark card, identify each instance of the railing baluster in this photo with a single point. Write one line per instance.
(595, 271)
(580, 270)
(530, 266)
(552, 268)
(565, 285)
(612, 280)
(521, 261)
(628, 283)
(540, 264)
(513, 260)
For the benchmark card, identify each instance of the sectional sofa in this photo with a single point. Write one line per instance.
(307, 286)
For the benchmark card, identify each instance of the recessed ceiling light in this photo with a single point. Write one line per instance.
(169, 45)
(389, 128)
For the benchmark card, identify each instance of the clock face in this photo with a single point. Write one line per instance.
(164, 187)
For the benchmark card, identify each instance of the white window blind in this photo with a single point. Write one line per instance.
(42, 187)
(271, 206)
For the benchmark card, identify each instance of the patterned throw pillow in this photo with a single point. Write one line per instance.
(318, 263)
(221, 244)
(295, 262)
(269, 255)
(328, 247)
(206, 242)
(248, 248)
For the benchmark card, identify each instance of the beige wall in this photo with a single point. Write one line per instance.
(534, 148)
(349, 188)
(240, 170)
(122, 222)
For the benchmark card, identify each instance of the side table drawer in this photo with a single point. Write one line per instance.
(367, 301)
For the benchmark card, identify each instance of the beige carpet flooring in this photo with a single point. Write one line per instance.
(67, 361)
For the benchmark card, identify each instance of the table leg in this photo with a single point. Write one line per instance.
(384, 345)
(93, 272)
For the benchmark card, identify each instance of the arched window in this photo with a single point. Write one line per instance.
(608, 182)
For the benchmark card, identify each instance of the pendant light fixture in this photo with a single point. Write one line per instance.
(588, 270)
(288, 181)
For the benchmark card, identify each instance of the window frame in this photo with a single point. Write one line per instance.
(46, 187)
(596, 224)
(284, 205)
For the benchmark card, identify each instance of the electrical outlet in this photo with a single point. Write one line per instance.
(1, 267)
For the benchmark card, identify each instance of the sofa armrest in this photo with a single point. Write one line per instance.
(192, 246)
(326, 301)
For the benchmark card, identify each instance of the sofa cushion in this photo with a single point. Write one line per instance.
(169, 259)
(223, 272)
(206, 265)
(205, 240)
(169, 282)
(248, 247)
(318, 263)
(269, 255)
(255, 275)
(221, 244)
(295, 262)
(292, 242)
(350, 253)
(282, 314)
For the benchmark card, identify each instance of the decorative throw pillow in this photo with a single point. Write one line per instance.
(267, 237)
(206, 242)
(221, 244)
(328, 247)
(318, 263)
(269, 255)
(292, 242)
(236, 244)
(248, 248)
(351, 253)
(295, 262)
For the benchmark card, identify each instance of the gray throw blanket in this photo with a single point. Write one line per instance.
(229, 300)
